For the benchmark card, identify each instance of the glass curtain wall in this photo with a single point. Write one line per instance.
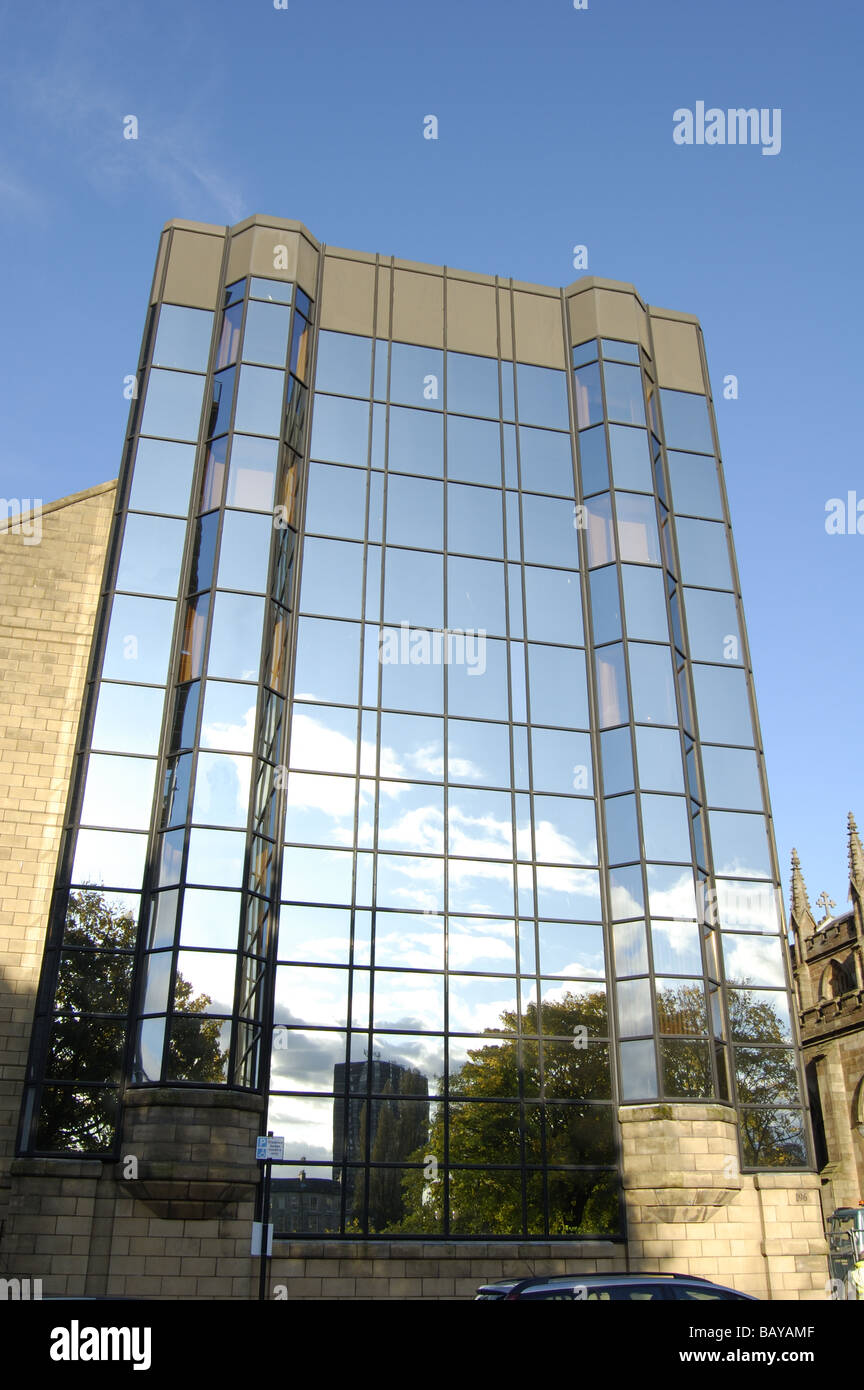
(476, 822)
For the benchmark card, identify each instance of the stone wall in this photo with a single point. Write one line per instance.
(49, 590)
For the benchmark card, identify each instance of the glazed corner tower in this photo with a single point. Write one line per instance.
(418, 812)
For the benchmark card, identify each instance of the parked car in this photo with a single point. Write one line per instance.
(617, 1288)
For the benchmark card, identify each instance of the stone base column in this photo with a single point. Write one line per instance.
(188, 1154)
(691, 1210)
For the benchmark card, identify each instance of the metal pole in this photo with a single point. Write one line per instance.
(265, 1226)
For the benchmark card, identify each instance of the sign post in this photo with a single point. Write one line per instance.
(267, 1148)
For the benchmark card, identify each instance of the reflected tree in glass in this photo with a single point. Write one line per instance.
(89, 1048)
(484, 1201)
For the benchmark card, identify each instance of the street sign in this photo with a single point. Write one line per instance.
(270, 1146)
(255, 1248)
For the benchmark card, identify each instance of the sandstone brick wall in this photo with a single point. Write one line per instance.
(48, 599)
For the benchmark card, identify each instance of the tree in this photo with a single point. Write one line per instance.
(88, 1033)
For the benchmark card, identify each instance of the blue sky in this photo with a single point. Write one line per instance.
(555, 128)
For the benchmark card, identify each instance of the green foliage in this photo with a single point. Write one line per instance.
(88, 1035)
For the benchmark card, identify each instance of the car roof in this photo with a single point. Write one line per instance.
(593, 1280)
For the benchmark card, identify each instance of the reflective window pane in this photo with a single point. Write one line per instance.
(630, 948)
(558, 686)
(474, 523)
(340, 430)
(128, 719)
(722, 705)
(416, 442)
(252, 475)
(759, 1015)
(553, 605)
(624, 399)
(473, 450)
(477, 677)
(732, 778)
(601, 541)
(172, 409)
(478, 753)
(151, 555)
(332, 578)
(605, 604)
(637, 528)
(546, 461)
(183, 338)
(542, 394)
(631, 459)
(653, 684)
(221, 789)
(675, 947)
(344, 364)
(695, 486)
(112, 858)
(564, 830)
(259, 401)
(416, 376)
(415, 512)
(638, 1071)
(118, 792)
(740, 844)
(666, 827)
(592, 459)
(472, 384)
(617, 761)
(644, 603)
(753, 960)
(413, 586)
(475, 595)
(278, 291)
(686, 422)
(622, 829)
(139, 640)
(244, 552)
(611, 685)
(704, 553)
(561, 761)
(585, 352)
(712, 626)
(548, 534)
(336, 501)
(327, 662)
(635, 1011)
(162, 477)
(265, 338)
(235, 638)
(617, 351)
(658, 753)
(589, 395)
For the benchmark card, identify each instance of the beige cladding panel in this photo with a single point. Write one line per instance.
(602, 313)
(348, 296)
(240, 255)
(471, 320)
(164, 242)
(539, 338)
(194, 266)
(382, 310)
(505, 322)
(677, 357)
(418, 308)
(621, 316)
(275, 254)
(582, 315)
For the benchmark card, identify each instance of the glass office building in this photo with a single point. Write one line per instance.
(419, 784)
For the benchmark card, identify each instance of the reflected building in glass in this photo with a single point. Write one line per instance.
(420, 813)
